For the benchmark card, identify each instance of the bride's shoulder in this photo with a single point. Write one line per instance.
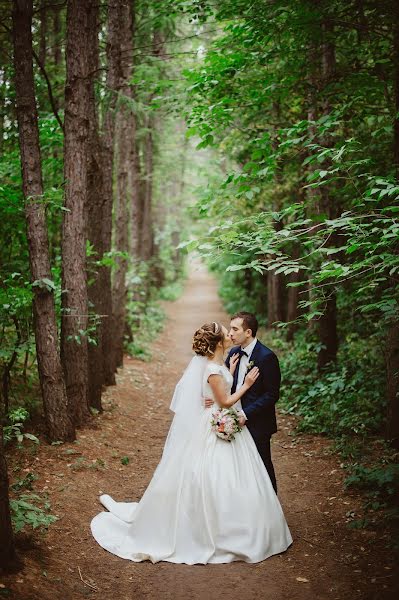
(213, 368)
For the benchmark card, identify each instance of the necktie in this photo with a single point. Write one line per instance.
(241, 353)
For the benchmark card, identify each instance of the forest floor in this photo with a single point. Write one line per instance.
(327, 561)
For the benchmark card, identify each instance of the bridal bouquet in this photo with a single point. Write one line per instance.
(225, 423)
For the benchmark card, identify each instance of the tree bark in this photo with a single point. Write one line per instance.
(119, 291)
(327, 324)
(74, 285)
(43, 33)
(56, 47)
(95, 197)
(52, 384)
(7, 547)
(396, 83)
(275, 301)
(392, 342)
(392, 365)
(147, 234)
(125, 137)
(137, 207)
(293, 298)
(275, 307)
(114, 77)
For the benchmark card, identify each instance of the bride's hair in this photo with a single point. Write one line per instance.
(206, 339)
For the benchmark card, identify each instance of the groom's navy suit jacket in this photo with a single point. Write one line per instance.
(259, 401)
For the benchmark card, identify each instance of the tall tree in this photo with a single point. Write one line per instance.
(125, 142)
(392, 341)
(113, 82)
(327, 324)
(58, 422)
(97, 271)
(74, 284)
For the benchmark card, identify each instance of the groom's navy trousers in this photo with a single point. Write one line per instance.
(259, 401)
(263, 446)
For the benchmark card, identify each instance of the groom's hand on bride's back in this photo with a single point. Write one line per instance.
(208, 402)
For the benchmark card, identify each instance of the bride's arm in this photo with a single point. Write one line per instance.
(219, 391)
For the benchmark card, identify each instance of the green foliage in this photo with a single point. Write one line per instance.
(146, 323)
(346, 399)
(382, 479)
(171, 292)
(379, 485)
(14, 430)
(25, 483)
(30, 511)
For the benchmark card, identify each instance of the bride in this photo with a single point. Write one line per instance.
(209, 500)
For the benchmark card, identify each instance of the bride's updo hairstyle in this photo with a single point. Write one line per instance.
(206, 339)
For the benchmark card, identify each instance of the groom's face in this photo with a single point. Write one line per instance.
(239, 336)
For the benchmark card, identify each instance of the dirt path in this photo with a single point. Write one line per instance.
(327, 560)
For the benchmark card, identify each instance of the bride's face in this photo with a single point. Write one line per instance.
(227, 343)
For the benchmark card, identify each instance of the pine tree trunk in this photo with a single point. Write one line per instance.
(275, 303)
(114, 76)
(392, 342)
(95, 197)
(56, 47)
(7, 547)
(43, 33)
(327, 324)
(293, 298)
(137, 208)
(119, 291)
(392, 365)
(52, 384)
(74, 297)
(123, 199)
(147, 236)
(274, 299)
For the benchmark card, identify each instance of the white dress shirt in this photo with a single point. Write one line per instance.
(243, 366)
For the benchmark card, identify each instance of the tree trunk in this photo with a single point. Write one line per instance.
(58, 422)
(147, 236)
(275, 301)
(275, 298)
(119, 291)
(56, 46)
(123, 201)
(275, 307)
(43, 33)
(327, 324)
(114, 77)
(392, 343)
(95, 198)
(137, 208)
(293, 298)
(7, 548)
(396, 76)
(392, 364)
(74, 297)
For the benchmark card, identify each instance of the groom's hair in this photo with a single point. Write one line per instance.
(249, 321)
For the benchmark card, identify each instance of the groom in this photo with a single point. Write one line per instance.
(258, 403)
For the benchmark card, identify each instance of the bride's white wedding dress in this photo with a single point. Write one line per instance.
(209, 501)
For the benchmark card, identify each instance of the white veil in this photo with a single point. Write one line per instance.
(187, 404)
